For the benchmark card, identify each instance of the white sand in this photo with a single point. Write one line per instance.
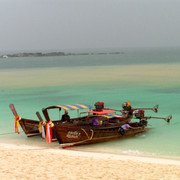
(28, 162)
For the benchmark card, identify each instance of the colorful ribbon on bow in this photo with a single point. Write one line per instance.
(17, 128)
(49, 126)
(41, 128)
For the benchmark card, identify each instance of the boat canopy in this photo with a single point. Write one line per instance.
(109, 116)
(104, 111)
(75, 107)
(115, 116)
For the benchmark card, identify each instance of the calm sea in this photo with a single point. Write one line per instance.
(163, 139)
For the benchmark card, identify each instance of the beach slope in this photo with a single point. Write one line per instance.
(27, 162)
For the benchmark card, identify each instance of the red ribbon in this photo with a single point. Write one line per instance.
(49, 127)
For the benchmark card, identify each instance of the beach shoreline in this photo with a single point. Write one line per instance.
(35, 162)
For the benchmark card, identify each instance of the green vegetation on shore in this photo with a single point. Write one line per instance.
(40, 54)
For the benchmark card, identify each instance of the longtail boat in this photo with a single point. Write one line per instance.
(32, 127)
(80, 134)
(108, 126)
(82, 118)
(29, 126)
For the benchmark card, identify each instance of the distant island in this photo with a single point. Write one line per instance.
(40, 54)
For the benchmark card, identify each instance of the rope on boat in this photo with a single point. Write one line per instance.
(92, 134)
(6, 133)
(89, 138)
(85, 132)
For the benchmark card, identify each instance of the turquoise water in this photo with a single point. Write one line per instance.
(163, 139)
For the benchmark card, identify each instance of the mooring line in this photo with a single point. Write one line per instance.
(7, 133)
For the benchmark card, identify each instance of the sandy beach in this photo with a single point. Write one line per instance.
(34, 162)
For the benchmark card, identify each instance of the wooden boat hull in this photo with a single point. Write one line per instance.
(30, 127)
(88, 135)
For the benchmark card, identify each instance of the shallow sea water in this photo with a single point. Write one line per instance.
(144, 85)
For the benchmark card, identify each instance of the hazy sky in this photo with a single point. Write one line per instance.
(74, 24)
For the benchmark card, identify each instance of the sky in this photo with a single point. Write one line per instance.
(82, 24)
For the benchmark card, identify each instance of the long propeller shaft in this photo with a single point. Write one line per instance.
(167, 119)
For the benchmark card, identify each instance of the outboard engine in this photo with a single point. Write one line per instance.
(143, 123)
(126, 107)
(99, 106)
(139, 114)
